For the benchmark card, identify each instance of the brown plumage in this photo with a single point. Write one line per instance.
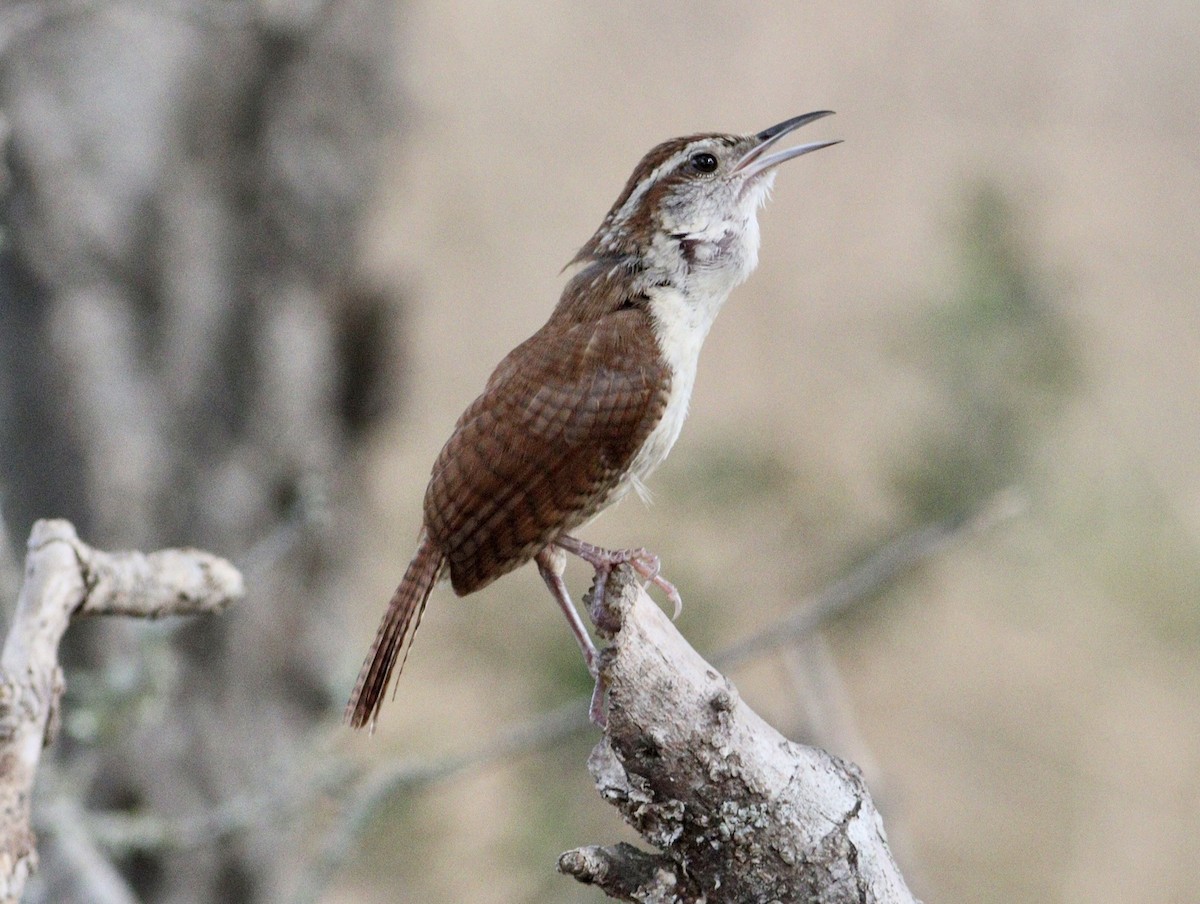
(540, 452)
(399, 624)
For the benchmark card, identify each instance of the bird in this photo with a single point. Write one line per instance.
(585, 409)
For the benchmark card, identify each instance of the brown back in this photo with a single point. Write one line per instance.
(545, 445)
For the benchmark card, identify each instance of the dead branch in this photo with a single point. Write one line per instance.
(64, 578)
(372, 790)
(737, 812)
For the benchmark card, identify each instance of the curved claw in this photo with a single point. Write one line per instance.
(648, 565)
(644, 562)
(672, 594)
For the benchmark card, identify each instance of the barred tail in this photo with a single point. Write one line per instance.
(394, 638)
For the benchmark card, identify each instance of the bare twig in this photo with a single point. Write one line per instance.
(64, 577)
(170, 582)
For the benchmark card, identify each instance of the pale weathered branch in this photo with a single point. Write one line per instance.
(862, 583)
(737, 812)
(65, 577)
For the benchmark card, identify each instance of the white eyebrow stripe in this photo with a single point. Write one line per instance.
(639, 191)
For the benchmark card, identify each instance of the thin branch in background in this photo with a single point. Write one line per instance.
(92, 869)
(873, 575)
(828, 715)
(365, 792)
(308, 512)
(123, 833)
(384, 784)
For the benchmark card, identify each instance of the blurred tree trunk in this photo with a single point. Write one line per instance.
(188, 357)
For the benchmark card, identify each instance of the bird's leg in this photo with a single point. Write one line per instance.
(551, 562)
(644, 563)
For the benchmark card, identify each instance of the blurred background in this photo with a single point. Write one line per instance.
(257, 257)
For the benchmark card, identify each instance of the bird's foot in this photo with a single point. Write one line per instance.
(644, 562)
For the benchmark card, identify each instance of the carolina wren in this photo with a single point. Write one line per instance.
(586, 408)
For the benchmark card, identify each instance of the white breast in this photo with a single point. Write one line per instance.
(680, 329)
(683, 307)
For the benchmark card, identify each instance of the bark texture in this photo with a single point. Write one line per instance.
(737, 812)
(65, 578)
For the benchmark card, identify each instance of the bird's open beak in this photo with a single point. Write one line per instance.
(753, 162)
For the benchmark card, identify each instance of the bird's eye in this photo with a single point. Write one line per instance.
(703, 162)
